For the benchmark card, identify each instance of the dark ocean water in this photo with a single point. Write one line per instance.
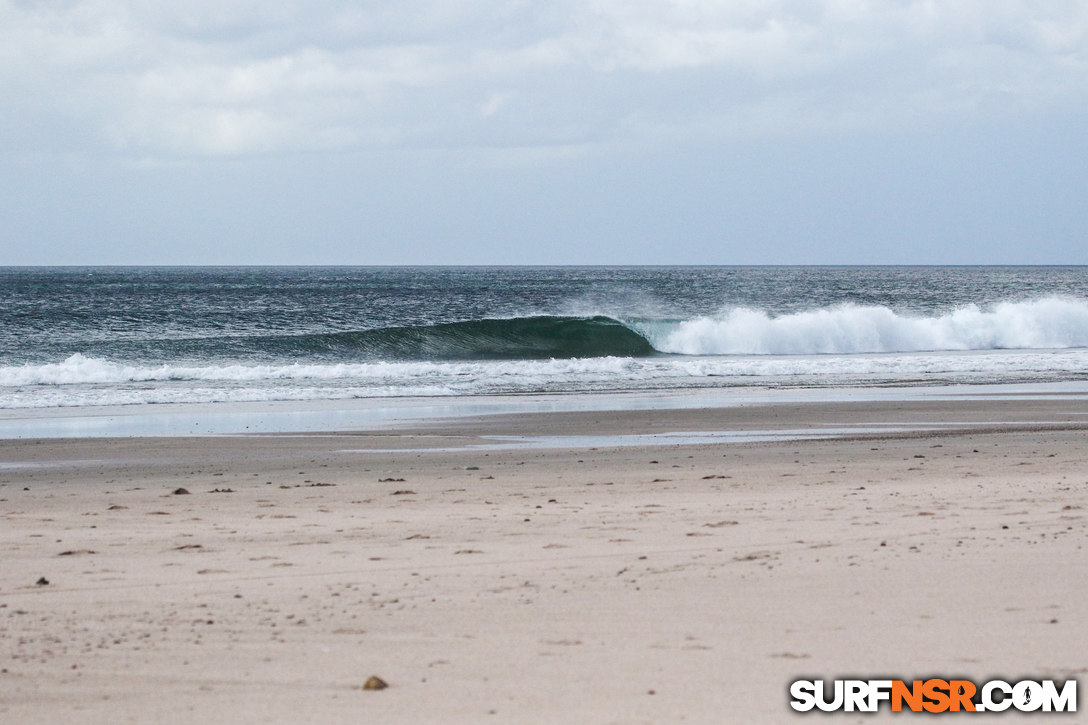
(85, 336)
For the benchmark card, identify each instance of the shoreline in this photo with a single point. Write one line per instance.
(595, 582)
(346, 415)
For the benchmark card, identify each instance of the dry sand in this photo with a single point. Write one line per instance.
(599, 584)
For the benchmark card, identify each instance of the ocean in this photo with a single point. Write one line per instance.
(72, 337)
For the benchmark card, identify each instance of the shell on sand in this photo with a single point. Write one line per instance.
(375, 683)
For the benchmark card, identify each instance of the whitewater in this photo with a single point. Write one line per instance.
(1037, 324)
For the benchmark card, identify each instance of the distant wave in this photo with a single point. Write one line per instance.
(1039, 324)
(1049, 323)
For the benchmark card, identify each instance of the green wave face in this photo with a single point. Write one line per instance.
(521, 338)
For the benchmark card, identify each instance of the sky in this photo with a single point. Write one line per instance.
(543, 132)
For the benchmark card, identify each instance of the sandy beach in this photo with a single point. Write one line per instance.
(585, 567)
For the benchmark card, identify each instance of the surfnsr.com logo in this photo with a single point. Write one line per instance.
(933, 695)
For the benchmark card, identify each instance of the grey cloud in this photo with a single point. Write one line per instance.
(177, 80)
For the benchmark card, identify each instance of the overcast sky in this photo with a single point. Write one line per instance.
(543, 132)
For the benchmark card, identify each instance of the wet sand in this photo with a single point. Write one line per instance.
(507, 581)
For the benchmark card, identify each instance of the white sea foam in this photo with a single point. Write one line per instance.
(81, 369)
(1040, 324)
(83, 381)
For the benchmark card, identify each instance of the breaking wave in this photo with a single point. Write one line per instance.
(1039, 324)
